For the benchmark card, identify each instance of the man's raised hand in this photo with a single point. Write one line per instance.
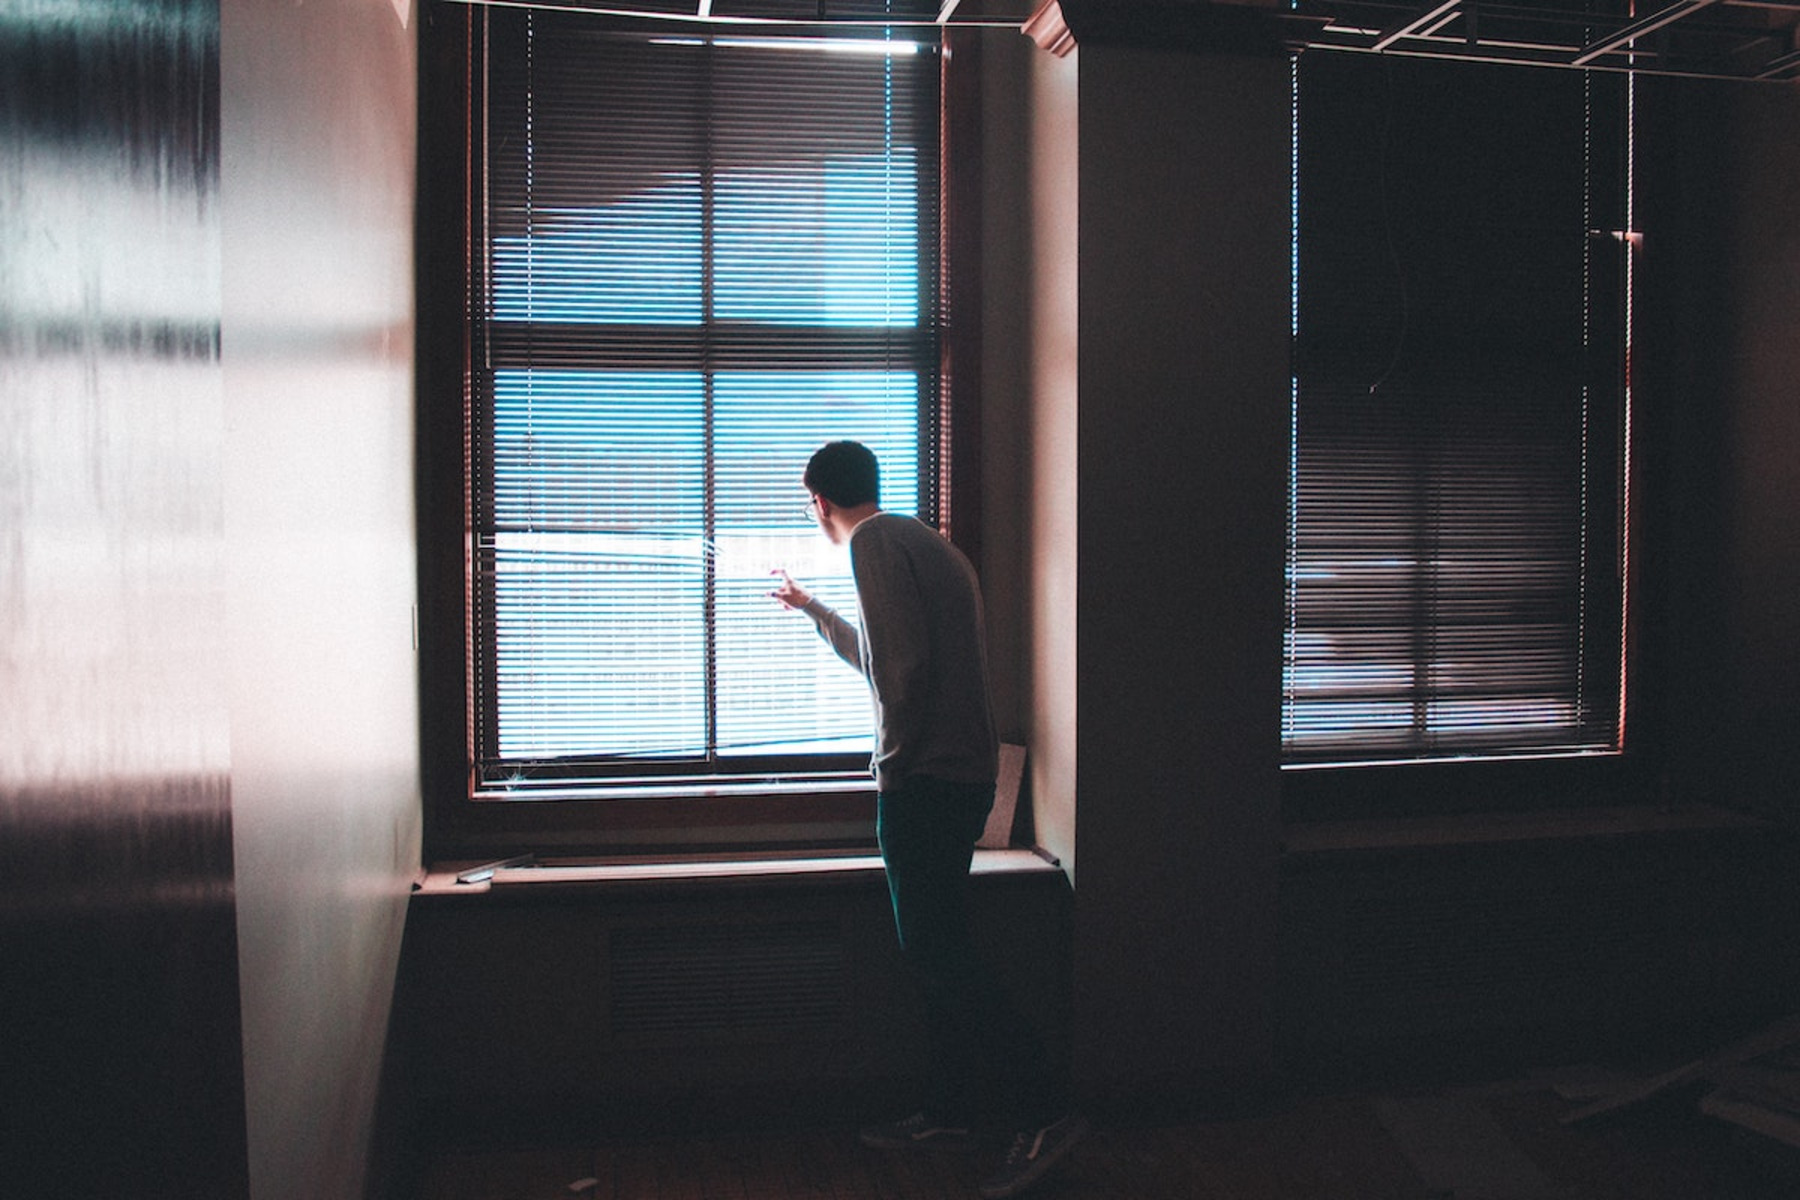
(788, 592)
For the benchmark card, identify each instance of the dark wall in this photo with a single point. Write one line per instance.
(1182, 427)
(120, 1008)
(1720, 356)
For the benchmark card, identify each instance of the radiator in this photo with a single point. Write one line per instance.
(726, 981)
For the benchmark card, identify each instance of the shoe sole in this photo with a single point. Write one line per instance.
(1039, 1167)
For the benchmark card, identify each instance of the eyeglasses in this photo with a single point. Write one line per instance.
(812, 509)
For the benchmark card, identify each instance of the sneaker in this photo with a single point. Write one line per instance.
(1033, 1152)
(916, 1130)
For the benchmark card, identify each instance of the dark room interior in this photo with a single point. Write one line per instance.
(279, 926)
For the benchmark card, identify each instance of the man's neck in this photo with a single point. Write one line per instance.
(847, 519)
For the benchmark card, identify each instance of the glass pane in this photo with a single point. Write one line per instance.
(616, 451)
(830, 244)
(780, 688)
(599, 565)
(600, 644)
(634, 261)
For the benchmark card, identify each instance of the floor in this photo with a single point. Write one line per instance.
(1495, 1141)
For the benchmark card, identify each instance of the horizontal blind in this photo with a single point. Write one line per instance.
(1454, 578)
(704, 258)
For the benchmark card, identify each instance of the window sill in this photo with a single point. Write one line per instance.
(683, 874)
(1486, 829)
(663, 821)
(683, 788)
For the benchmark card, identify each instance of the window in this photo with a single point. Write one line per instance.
(1456, 554)
(693, 260)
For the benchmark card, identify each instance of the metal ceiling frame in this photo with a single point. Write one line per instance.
(1752, 40)
(1713, 39)
(732, 14)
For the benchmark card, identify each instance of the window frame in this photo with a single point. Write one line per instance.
(752, 810)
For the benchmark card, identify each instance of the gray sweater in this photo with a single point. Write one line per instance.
(923, 649)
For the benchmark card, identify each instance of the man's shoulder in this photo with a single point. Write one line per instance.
(928, 555)
(906, 534)
(886, 526)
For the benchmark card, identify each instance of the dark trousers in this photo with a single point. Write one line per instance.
(990, 1067)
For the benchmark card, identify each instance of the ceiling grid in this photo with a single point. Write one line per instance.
(1718, 39)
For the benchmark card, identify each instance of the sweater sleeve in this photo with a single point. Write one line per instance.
(838, 633)
(897, 645)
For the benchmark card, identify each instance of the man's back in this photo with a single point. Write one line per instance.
(924, 650)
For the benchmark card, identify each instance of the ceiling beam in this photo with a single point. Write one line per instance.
(1416, 24)
(1637, 29)
(1781, 68)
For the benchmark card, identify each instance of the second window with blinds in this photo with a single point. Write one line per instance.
(1456, 570)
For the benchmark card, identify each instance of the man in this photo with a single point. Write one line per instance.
(922, 647)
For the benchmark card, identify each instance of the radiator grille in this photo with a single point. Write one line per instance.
(1501, 954)
(727, 982)
(1492, 946)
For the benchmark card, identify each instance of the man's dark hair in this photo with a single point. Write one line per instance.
(845, 473)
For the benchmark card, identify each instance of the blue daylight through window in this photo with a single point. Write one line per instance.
(639, 260)
(703, 261)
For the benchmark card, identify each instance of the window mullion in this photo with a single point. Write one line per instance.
(709, 411)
